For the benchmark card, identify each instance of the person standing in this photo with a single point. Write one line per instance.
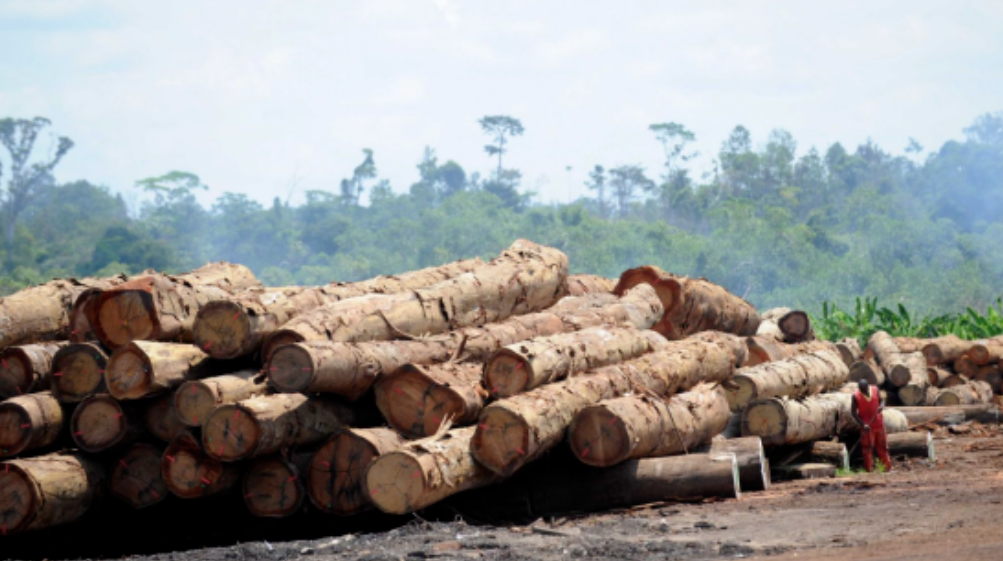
(866, 408)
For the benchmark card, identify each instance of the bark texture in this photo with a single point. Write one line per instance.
(29, 422)
(336, 473)
(763, 349)
(195, 399)
(27, 368)
(580, 285)
(946, 349)
(78, 372)
(911, 370)
(417, 400)
(47, 491)
(143, 368)
(135, 476)
(849, 348)
(798, 376)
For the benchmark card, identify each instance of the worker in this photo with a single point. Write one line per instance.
(866, 408)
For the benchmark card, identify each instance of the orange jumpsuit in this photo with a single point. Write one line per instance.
(867, 409)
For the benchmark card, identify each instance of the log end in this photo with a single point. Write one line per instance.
(126, 313)
(934, 355)
(98, 423)
(16, 374)
(507, 373)
(796, 326)
(16, 429)
(501, 440)
(278, 339)
(947, 398)
(223, 330)
(78, 372)
(336, 473)
(415, 404)
(767, 419)
(741, 392)
(899, 375)
(194, 400)
(83, 308)
(395, 483)
(912, 394)
(129, 373)
(19, 497)
(666, 286)
(291, 369)
(273, 488)
(136, 477)
(230, 433)
(598, 437)
(187, 471)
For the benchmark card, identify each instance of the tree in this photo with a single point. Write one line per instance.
(674, 138)
(351, 189)
(597, 183)
(626, 182)
(175, 215)
(500, 128)
(18, 136)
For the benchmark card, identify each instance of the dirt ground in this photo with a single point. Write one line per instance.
(950, 509)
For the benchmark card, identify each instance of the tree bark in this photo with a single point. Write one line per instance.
(144, 368)
(643, 426)
(135, 476)
(916, 444)
(190, 473)
(762, 349)
(29, 422)
(78, 372)
(692, 305)
(195, 399)
(514, 431)
(892, 361)
(350, 369)
(952, 415)
(968, 394)
(580, 285)
(943, 350)
(26, 369)
(161, 418)
(265, 424)
(162, 307)
(525, 278)
(910, 344)
(46, 491)
(102, 423)
(798, 376)
(337, 470)
(913, 394)
(416, 400)
(275, 485)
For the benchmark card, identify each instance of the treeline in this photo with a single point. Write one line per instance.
(779, 225)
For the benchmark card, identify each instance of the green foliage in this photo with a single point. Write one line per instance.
(867, 318)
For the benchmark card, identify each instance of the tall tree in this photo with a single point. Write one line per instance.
(500, 128)
(18, 136)
(597, 183)
(626, 182)
(674, 138)
(351, 189)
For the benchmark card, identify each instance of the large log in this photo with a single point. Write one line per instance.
(964, 366)
(78, 372)
(896, 365)
(764, 349)
(811, 470)
(936, 376)
(136, 478)
(753, 467)
(514, 431)
(990, 374)
(350, 369)
(46, 491)
(768, 327)
(80, 330)
(945, 349)
(916, 444)
(849, 348)
(820, 451)
(161, 418)
(910, 344)
(867, 369)
(525, 278)
(796, 327)
(336, 473)
(142, 368)
(952, 415)
(275, 485)
(101, 423)
(987, 351)
(918, 394)
(798, 376)
(266, 424)
(580, 285)
(29, 422)
(644, 426)
(190, 473)
(27, 368)
(967, 394)
(912, 370)
(530, 364)
(416, 400)
(195, 399)
(163, 307)
(692, 305)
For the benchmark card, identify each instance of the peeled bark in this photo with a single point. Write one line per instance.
(798, 376)
(915, 444)
(350, 369)
(190, 473)
(46, 491)
(530, 364)
(643, 426)
(762, 349)
(29, 422)
(968, 394)
(526, 278)
(275, 485)
(943, 350)
(266, 424)
(416, 400)
(336, 473)
(162, 307)
(102, 423)
(143, 368)
(580, 285)
(514, 431)
(849, 348)
(867, 369)
(911, 370)
(195, 399)
(78, 372)
(161, 418)
(27, 368)
(135, 476)
(693, 305)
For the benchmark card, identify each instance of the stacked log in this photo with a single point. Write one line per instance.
(136, 478)
(29, 422)
(798, 376)
(195, 399)
(27, 368)
(336, 474)
(47, 491)
(275, 486)
(78, 372)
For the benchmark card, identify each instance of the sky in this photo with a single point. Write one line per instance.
(274, 98)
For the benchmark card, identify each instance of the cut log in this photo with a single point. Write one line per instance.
(968, 394)
(889, 357)
(910, 344)
(990, 374)
(753, 467)
(918, 394)
(29, 422)
(142, 368)
(761, 349)
(580, 285)
(336, 473)
(951, 415)
(780, 421)
(26, 369)
(936, 376)
(849, 349)
(768, 327)
(46, 491)
(100, 423)
(833, 453)
(913, 444)
(190, 473)
(78, 372)
(798, 376)
(195, 399)
(514, 431)
(943, 350)
(525, 278)
(954, 380)
(162, 307)
(275, 485)
(813, 470)
(266, 424)
(416, 400)
(867, 369)
(424, 472)
(642, 426)
(351, 369)
(965, 366)
(796, 327)
(987, 351)
(161, 418)
(135, 476)
(911, 370)
(693, 305)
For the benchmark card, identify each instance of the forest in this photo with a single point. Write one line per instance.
(774, 223)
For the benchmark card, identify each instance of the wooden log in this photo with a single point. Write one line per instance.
(946, 349)
(643, 426)
(867, 369)
(889, 357)
(913, 444)
(514, 431)
(190, 473)
(78, 372)
(911, 370)
(762, 350)
(162, 307)
(530, 364)
(849, 349)
(956, 414)
(987, 351)
(796, 327)
(265, 424)
(910, 344)
(968, 394)
(46, 491)
(846, 424)
(417, 400)
(195, 399)
(990, 374)
(965, 366)
(768, 327)
(136, 478)
(100, 423)
(336, 472)
(814, 470)
(580, 285)
(26, 368)
(275, 485)
(798, 376)
(142, 368)
(917, 394)
(753, 467)
(161, 418)
(692, 305)
(350, 369)
(833, 453)
(525, 278)
(29, 422)
(936, 376)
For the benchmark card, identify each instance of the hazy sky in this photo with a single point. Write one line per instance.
(252, 94)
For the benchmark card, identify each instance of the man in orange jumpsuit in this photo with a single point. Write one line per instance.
(866, 409)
